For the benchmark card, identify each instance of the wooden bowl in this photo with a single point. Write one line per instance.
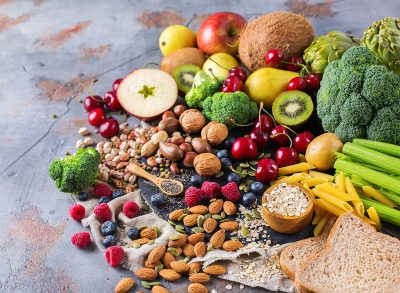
(288, 224)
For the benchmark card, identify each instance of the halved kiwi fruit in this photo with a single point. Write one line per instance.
(184, 76)
(292, 108)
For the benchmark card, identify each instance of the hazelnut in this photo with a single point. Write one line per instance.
(192, 121)
(186, 147)
(178, 140)
(200, 145)
(170, 151)
(207, 164)
(215, 133)
(188, 160)
(179, 109)
(169, 124)
(167, 114)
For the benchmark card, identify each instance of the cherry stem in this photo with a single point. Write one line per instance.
(212, 73)
(288, 136)
(287, 127)
(218, 63)
(91, 92)
(266, 112)
(151, 63)
(230, 119)
(303, 67)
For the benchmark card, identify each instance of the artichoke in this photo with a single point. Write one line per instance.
(327, 48)
(383, 38)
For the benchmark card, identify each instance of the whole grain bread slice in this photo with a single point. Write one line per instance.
(356, 259)
(294, 254)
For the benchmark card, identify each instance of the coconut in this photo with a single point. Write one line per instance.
(181, 57)
(289, 32)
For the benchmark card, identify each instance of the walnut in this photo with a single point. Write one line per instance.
(192, 120)
(207, 164)
(214, 132)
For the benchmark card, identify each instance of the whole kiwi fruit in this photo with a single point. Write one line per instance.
(181, 57)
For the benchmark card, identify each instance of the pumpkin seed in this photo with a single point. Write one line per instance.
(179, 227)
(171, 223)
(198, 230)
(256, 214)
(217, 217)
(206, 216)
(219, 174)
(223, 215)
(241, 186)
(239, 169)
(267, 155)
(248, 216)
(154, 283)
(244, 165)
(158, 268)
(234, 238)
(174, 237)
(260, 156)
(145, 285)
(173, 251)
(224, 220)
(200, 221)
(213, 199)
(181, 217)
(253, 162)
(249, 182)
(180, 231)
(246, 189)
(157, 230)
(209, 247)
(186, 211)
(186, 259)
(135, 245)
(252, 174)
(244, 231)
(152, 241)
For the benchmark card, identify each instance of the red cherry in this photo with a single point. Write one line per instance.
(294, 61)
(238, 72)
(286, 156)
(96, 117)
(232, 84)
(267, 170)
(244, 148)
(273, 58)
(313, 81)
(116, 84)
(92, 102)
(264, 123)
(109, 128)
(302, 140)
(261, 139)
(112, 101)
(280, 135)
(297, 84)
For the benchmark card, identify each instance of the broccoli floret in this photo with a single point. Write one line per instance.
(77, 172)
(230, 108)
(195, 97)
(359, 98)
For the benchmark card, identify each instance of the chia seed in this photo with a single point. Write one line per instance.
(170, 186)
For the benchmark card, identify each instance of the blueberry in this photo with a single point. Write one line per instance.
(133, 233)
(109, 240)
(226, 164)
(196, 180)
(229, 142)
(108, 228)
(222, 154)
(157, 199)
(117, 193)
(104, 199)
(258, 188)
(234, 177)
(249, 198)
(83, 196)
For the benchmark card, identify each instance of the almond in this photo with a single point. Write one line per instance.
(156, 254)
(179, 266)
(215, 270)
(229, 208)
(197, 288)
(148, 233)
(169, 275)
(194, 238)
(124, 285)
(216, 206)
(190, 220)
(174, 216)
(200, 249)
(167, 259)
(194, 267)
(199, 278)
(229, 226)
(188, 250)
(209, 225)
(178, 243)
(146, 274)
(199, 209)
(217, 239)
(151, 265)
(140, 241)
(159, 289)
(231, 245)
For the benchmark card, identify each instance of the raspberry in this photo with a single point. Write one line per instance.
(102, 212)
(102, 189)
(114, 255)
(77, 212)
(193, 196)
(231, 191)
(131, 209)
(81, 239)
(211, 189)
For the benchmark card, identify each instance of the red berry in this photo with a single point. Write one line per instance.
(102, 189)
(231, 191)
(267, 170)
(116, 84)
(244, 148)
(211, 189)
(280, 135)
(273, 58)
(109, 128)
(81, 239)
(261, 139)
(286, 156)
(102, 212)
(297, 84)
(92, 102)
(302, 140)
(193, 196)
(232, 84)
(238, 72)
(114, 255)
(131, 209)
(264, 123)
(112, 101)
(313, 81)
(294, 61)
(96, 117)
(77, 212)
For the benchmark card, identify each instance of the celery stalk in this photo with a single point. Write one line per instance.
(391, 195)
(383, 147)
(386, 214)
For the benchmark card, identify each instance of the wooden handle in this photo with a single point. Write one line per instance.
(136, 170)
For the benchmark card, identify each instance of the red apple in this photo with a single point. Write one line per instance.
(219, 33)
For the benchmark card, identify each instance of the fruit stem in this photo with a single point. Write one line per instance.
(239, 125)
(266, 112)
(91, 92)
(212, 73)
(287, 127)
(288, 136)
(218, 63)
(151, 63)
(303, 67)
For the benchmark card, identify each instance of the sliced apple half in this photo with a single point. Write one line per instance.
(147, 93)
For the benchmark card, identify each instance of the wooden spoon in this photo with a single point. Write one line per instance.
(168, 186)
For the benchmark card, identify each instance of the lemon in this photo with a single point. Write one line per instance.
(219, 64)
(176, 37)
